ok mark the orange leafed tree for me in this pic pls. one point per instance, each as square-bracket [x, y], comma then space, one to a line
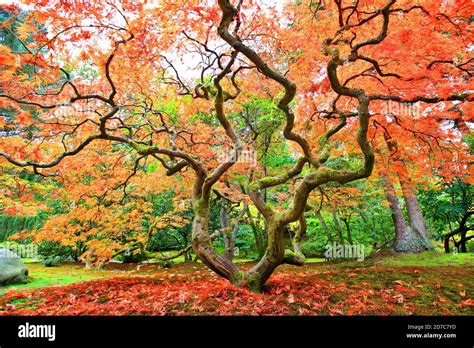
[100, 73]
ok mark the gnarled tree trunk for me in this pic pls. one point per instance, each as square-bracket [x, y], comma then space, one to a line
[318, 174]
[273, 257]
[299, 235]
[202, 244]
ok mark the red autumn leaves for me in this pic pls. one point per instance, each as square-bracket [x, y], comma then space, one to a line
[287, 293]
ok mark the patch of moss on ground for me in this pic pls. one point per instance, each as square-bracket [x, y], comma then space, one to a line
[428, 259]
[434, 290]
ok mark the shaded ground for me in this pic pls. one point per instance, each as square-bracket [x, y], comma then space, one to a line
[435, 284]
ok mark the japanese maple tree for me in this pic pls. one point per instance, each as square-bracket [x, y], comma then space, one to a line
[106, 73]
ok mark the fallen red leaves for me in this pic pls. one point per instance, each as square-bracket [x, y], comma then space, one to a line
[466, 303]
[180, 292]
[202, 294]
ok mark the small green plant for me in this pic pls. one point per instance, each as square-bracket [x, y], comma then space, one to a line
[52, 253]
[313, 249]
[51, 261]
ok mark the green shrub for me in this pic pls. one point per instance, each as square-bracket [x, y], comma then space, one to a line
[313, 249]
[131, 257]
[51, 261]
[52, 253]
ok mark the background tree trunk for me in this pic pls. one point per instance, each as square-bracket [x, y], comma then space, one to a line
[324, 225]
[462, 241]
[258, 233]
[415, 214]
[346, 222]
[233, 235]
[446, 245]
[417, 240]
[407, 240]
[338, 227]
[224, 217]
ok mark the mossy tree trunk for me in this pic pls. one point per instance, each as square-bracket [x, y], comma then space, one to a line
[202, 243]
[274, 254]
